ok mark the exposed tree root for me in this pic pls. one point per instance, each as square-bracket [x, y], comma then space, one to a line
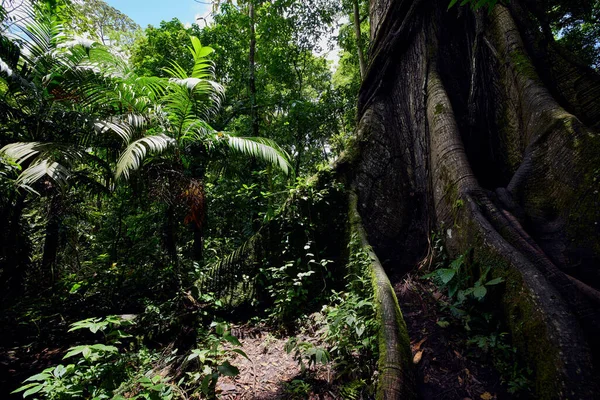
[396, 375]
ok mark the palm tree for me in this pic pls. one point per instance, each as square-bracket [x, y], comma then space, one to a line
[46, 125]
[70, 105]
[186, 142]
[67, 107]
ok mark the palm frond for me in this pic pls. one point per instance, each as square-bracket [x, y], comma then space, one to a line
[223, 276]
[21, 152]
[135, 153]
[51, 159]
[4, 68]
[261, 148]
[203, 67]
[189, 83]
[41, 34]
[123, 130]
[198, 130]
[44, 167]
[205, 94]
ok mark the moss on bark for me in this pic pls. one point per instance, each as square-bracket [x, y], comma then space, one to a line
[396, 375]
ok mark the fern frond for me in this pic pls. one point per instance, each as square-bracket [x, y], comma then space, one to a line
[220, 277]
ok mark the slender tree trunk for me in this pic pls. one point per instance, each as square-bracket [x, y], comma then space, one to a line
[470, 123]
[359, 44]
[170, 229]
[198, 242]
[51, 241]
[252, 70]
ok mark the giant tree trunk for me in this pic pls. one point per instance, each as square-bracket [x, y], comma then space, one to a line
[474, 123]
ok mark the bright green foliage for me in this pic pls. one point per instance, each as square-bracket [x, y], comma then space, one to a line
[295, 100]
[290, 278]
[466, 283]
[211, 361]
[161, 46]
[351, 325]
[100, 21]
[99, 370]
[307, 354]
[185, 101]
[106, 371]
[297, 389]
[457, 279]
[470, 301]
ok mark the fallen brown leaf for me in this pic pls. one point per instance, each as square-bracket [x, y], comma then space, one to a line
[418, 345]
[486, 396]
[417, 357]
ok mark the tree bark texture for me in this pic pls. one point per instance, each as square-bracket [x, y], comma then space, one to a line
[477, 124]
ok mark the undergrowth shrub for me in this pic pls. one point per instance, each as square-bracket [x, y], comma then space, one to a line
[471, 296]
[352, 328]
[122, 367]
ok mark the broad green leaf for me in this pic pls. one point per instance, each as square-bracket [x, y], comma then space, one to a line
[105, 348]
[25, 387]
[456, 264]
[494, 281]
[360, 330]
[33, 390]
[479, 292]
[84, 350]
[232, 339]
[220, 328]
[42, 376]
[226, 369]
[241, 352]
[446, 274]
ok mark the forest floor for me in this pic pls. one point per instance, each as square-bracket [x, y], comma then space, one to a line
[447, 366]
[271, 373]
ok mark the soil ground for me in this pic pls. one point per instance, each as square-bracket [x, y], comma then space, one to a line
[447, 366]
[270, 372]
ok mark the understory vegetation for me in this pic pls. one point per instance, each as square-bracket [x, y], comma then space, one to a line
[166, 190]
[470, 300]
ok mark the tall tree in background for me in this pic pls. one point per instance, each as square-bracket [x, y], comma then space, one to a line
[482, 125]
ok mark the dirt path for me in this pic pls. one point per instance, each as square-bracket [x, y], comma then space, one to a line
[271, 372]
